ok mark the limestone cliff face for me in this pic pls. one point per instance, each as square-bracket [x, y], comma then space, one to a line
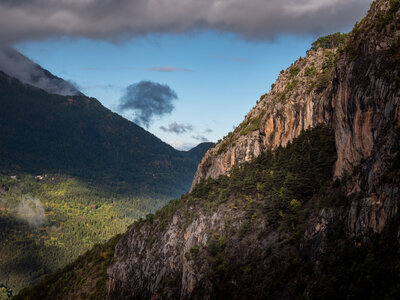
[366, 118]
[296, 102]
[358, 97]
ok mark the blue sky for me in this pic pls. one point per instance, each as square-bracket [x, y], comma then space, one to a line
[219, 77]
[223, 53]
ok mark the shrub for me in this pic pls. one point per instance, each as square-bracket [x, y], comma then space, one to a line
[294, 70]
[310, 71]
[330, 41]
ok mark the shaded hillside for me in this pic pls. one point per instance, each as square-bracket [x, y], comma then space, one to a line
[46, 133]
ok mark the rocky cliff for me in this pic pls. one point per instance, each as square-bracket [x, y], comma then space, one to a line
[349, 83]
[296, 102]
[353, 89]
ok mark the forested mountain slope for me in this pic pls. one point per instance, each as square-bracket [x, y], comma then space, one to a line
[47, 133]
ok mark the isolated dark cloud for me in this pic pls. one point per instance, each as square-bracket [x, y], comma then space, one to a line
[200, 138]
[17, 65]
[168, 69]
[208, 130]
[99, 19]
[177, 128]
[147, 100]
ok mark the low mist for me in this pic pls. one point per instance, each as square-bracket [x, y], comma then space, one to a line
[31, 210]
[17, 65]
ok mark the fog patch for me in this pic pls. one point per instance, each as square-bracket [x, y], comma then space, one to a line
[16, 65]
[31, 211]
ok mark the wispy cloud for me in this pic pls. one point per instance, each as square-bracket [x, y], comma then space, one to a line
[167, 69]
[99, 86]
[200, 138]
[17, 65]
[208, 130]
[177, 128]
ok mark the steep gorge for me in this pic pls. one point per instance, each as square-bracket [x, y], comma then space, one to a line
[301, 200]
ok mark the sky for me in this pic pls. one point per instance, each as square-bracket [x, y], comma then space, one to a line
[187, 71]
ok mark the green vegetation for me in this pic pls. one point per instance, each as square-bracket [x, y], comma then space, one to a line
[227, 141]
[291, 85]
[85, 278]
[322, 80]
[329, 60]
[49, 222]
[310, 71]
[5, 293]
[330, 41]
[252, 124]
[294, 70]
[276, 178]
[385, 19]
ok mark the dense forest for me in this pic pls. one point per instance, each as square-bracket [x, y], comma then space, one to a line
[48, 220]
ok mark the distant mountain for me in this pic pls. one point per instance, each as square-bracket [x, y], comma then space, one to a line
[75, 135]
[198, 151]
[19, 66]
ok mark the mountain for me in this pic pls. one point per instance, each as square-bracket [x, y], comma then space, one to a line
[299, 202]
[198, 151]
[72, 173]
[75, 135]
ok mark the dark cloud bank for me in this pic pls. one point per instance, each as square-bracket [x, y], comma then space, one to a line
[99, 19]
[147, 100]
